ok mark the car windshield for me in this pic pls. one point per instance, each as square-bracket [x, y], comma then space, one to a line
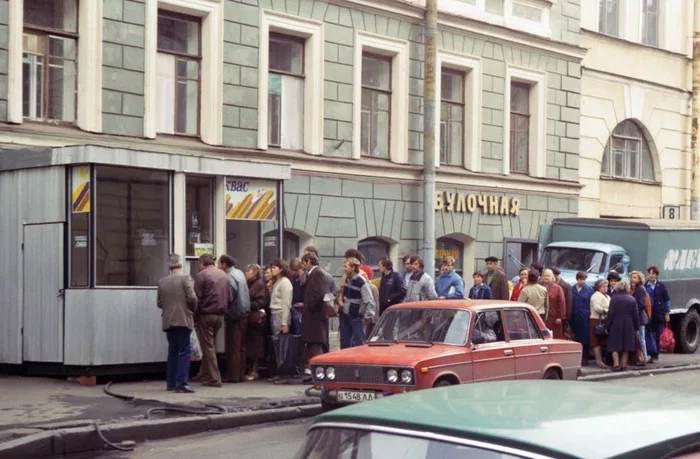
[337, 443]
[447, 326]
[574, 259]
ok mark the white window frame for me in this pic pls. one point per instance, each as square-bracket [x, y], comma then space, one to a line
[211, 67]
[312, 32]
[89, 106]
[471, 67]
[538, 120]
[478, 12]
[398, 51]
[660, 25]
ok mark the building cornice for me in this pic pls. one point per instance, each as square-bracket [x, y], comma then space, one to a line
[625, 79]
[640, 46]
[34, 134]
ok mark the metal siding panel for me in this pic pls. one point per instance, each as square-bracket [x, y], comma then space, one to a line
[10, 282]
[43, 306]
[112, 327]
[43, 194]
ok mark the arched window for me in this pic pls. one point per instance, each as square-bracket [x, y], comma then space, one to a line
[447, 247]
[373, 249]
[627, 154]
[290, 246]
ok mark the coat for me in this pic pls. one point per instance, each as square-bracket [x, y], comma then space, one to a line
[420, 288]
[640, 295]
[481, 292]
[622, 323]
[536, 296]
[391, 290]
[213, 291]
[581, 313]
[568, 294]
[499, 285]
[314, 322]
[517, 288]
[450, 286]
[660, 301]
[557, 310]
[281, 299]
[258, 297]
[177, 300]
[600, 305]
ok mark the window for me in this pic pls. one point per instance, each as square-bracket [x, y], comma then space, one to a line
[627, 154]
[373, 250]
[178, 74]
[199, 218]
[290, 246]
[608, 17]
[376, 105]
[451, 117]
[446, 247]
[380, 98]
[519, 128]
[616, 263]
[285, 109]
[520, 325]
[650, 22]
[49, 60]
[437, 325]
[80, 226]
[494, 7]
[132, 226]
[488, 328]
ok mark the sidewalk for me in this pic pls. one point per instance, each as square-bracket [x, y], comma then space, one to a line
[666, 362]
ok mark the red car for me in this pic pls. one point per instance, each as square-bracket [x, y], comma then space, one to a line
[438, 343]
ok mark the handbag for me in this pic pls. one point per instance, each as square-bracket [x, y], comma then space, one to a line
[256, 318]
[600, 331]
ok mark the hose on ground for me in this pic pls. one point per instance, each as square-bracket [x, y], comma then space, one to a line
[114, 394]
[129, 445]
[219, 410]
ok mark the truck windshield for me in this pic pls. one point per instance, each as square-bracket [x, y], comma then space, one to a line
[575, 259]
[447, 326]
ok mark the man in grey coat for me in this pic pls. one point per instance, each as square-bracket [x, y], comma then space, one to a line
[421, 286]
[177, 300]
[236, 320]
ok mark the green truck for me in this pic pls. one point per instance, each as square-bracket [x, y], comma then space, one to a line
[598, 245]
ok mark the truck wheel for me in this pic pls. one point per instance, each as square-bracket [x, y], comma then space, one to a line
[688, 335]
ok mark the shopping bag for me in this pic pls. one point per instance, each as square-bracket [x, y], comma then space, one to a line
[667, 342]
[195, 349]
[288, 354]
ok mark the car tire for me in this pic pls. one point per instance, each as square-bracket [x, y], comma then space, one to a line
[552, 374]
[326, 407]
[442, 383]
[688, 336]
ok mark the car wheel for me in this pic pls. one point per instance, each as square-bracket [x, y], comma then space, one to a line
[689, 332]
[442, 383]
[551, 374]
[326, 407]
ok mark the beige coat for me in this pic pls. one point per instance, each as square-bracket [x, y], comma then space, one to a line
[600, 304]
[177, 300]
[536, 296]
[281, 299]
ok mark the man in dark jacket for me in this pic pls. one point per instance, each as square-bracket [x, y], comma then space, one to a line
[568, 294]
[314, 321]
[214, 295]
[391, 289]
[660, 310]
[496, 279]
[236, 320]
[177, 300]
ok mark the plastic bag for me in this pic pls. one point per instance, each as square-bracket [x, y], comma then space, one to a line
[288, 354]
[195, 349]
[667, 342]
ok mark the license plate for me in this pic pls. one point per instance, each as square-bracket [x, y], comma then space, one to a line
[354, 397]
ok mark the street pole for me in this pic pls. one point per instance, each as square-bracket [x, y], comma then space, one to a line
[429, 108]
[695, 158]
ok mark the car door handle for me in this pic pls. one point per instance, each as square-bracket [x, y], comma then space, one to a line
[508, 352]
[544, 349]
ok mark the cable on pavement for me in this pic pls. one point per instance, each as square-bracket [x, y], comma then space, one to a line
[114, 394]
[128, 444]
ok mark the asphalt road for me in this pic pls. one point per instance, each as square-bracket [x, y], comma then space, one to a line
[283, 440]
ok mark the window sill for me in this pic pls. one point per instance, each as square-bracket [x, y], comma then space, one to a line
[49, 122]
[608, 178]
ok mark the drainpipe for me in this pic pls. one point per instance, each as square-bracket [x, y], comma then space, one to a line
[429, 137]
[695, 161]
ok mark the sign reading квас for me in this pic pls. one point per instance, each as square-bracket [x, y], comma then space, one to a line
[489, 204]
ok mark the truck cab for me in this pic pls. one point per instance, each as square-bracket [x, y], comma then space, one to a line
[596, 259]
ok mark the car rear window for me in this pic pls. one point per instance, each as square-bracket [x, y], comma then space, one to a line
[345, 443]
[447, 326]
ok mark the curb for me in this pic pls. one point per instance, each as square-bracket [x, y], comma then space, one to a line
[639, 373]
[83, 439]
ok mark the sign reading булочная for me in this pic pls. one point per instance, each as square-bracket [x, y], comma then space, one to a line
[467, 202]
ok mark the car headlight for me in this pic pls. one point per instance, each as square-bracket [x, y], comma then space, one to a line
[330, 373]
[319, 373]
[406, 377]
[392, 376]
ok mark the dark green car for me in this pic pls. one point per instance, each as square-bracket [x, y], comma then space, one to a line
[512, 420]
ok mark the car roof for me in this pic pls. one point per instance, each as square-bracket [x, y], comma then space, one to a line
[461, 304]
[558, 418]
